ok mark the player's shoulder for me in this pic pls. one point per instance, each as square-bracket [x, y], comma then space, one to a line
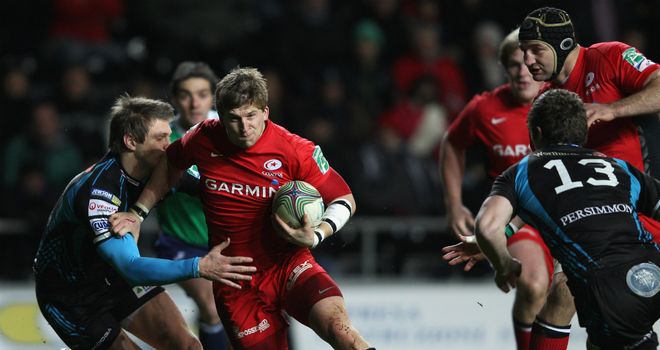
[284, 137]
[607, 48]
[208, 124]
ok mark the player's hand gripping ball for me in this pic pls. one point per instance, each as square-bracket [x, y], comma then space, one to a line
[295, 199]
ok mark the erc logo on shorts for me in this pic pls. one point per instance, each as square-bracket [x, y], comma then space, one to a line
[261, 327]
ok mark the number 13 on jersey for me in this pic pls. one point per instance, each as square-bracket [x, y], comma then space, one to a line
[568, 184]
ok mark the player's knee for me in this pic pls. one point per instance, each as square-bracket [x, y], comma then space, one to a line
[560, 296]
[533, 288]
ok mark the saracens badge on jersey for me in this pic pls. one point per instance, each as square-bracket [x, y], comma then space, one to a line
[272, 164]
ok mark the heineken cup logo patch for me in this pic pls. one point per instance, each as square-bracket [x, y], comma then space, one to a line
[320, 160]
[636, 59]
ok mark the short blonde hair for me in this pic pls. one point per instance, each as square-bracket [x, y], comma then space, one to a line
[508, 46]
[241, 86]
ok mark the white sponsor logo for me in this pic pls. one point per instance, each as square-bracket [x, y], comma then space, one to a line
[261, 327]
[590, 211]
[101, 193]
[100, 225]
[272, 164]
[270, 174]
[511, 150]
[297, 271]
[496, 121]
[589, 79]
[107, 195]
[100, 207]
[214, 155]
[240, 189]
[103, 338]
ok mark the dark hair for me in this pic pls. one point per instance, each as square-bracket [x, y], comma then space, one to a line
[241, 86]
[188, 69]
[507, 47]
[561, 116]
[133, 116]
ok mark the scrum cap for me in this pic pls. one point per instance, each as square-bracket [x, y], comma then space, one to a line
[553, 27]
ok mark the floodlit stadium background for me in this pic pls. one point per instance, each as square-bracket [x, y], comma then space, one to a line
[341, 73]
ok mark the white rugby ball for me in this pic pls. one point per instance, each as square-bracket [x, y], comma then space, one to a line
[296, 198]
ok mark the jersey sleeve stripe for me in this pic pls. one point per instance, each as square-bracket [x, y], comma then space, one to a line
[102, 237]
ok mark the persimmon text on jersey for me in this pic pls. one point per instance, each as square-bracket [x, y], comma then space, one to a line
[240, 189]
[589, 211]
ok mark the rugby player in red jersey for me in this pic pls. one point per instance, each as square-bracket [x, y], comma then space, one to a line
[243, 159]
[497, 120]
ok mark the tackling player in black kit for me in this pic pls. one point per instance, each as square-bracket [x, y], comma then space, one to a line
[585, 205]
[88, 282]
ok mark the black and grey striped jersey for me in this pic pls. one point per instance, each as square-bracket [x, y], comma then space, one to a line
[585, 205]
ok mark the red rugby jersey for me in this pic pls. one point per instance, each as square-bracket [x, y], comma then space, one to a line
[605, 73]
[497, 121]
[238, 184]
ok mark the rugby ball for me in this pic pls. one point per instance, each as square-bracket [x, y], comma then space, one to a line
[295, 199]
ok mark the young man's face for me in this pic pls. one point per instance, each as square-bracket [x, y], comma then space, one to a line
[153, 148]
[245, 124]
[524, 88]
[539, 59]
[193, 100]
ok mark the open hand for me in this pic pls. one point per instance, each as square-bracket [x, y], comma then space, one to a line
[225, 269]
[467, 251]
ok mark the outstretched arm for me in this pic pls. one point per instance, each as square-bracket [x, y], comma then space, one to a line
[452, 167]
[491, 220]
[123, 254]
[646, 100]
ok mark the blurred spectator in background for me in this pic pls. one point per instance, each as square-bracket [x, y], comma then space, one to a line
[370, 85]
[389, 17]
[82, 111]
[45, 145]
[398, 173]
[81, 33]
[30, 204]
[426, 58]
[14, 102]
[328, 117]
[314, 37]
[481, 65]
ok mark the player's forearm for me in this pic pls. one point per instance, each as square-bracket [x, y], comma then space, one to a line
[492, 243]
[336, 215]
[122, 253]
[452, 165]
[489, 230]
[644, 101]
[163, 178]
